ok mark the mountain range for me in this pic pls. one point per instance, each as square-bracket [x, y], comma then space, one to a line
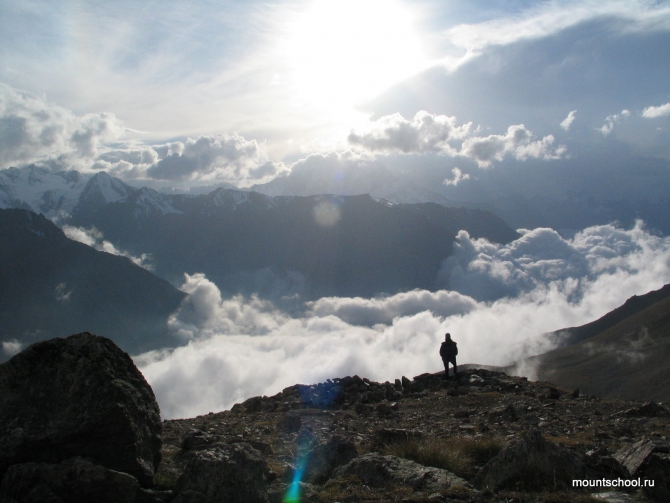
[57, 194]
[248, 242]
[315, 246]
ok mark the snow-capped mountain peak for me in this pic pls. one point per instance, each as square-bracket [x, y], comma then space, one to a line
[40, 190]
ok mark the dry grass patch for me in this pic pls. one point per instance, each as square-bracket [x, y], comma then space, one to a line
[350, 488]
[459, 455]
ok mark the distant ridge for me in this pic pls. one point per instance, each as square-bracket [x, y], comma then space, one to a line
[629, 359]
[633, 305]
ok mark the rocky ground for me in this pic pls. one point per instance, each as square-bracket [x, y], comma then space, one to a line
[479, 436]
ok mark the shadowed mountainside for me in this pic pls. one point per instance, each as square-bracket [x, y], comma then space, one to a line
[316, 246]
[53, 286]
[633, 305]
[629, 360]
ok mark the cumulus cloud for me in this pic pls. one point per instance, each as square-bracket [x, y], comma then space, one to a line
[369, 312]
[440, 134]
[222, 158]
[653, 112]
[518, 142]
[424, 133]
[33, 130]
[94, 238]
[567, 122]
[229, 158]
[245, 346]
[489, 271]
[611, 120]
[458, 177]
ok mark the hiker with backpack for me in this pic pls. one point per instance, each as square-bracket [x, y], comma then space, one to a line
[448, 352]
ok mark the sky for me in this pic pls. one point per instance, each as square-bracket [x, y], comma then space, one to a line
[198, 93]
[469, 101]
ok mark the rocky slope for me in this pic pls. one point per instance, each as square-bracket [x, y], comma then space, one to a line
[631, 307]
[628, 360]
[427, 439]
[79, 423]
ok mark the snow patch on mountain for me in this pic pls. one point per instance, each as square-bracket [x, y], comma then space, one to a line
[150, 202]
[233, 199]
[40, 190]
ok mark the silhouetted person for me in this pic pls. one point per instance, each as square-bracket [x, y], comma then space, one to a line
[448, 352]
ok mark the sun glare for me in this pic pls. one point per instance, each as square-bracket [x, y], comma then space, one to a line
[341, 53]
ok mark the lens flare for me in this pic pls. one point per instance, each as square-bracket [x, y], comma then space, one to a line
[327, 213]
[305, 443]
[293, 493]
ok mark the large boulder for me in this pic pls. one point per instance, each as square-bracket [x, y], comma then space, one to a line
[532, 463]
[80, 396]
[73, 480]
[233, 473]
[376, 470]
[649, 459]
[324, 458]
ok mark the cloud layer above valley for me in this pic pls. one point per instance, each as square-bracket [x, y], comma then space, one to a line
[501, 298]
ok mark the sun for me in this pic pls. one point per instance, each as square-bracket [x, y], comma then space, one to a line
[341, 53]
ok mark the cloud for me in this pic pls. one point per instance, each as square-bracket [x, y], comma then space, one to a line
[11, 348]
[518, 142]
[229, 158]
[424, 133]
[653, 112]
[540, 258]
[33, 130]
[245, 346]
[458, 177]
[61, 296]
[547, 19]
[567, 122]
[222, 158]
[440, 134]
[611, 120]
[369, 312]
[94, 238]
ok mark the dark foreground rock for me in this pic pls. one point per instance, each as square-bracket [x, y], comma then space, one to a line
[324, 458]
[72, 480]
[650, 460]
[532, 463]
[78, 397]
[232, 473]
[376, 470]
